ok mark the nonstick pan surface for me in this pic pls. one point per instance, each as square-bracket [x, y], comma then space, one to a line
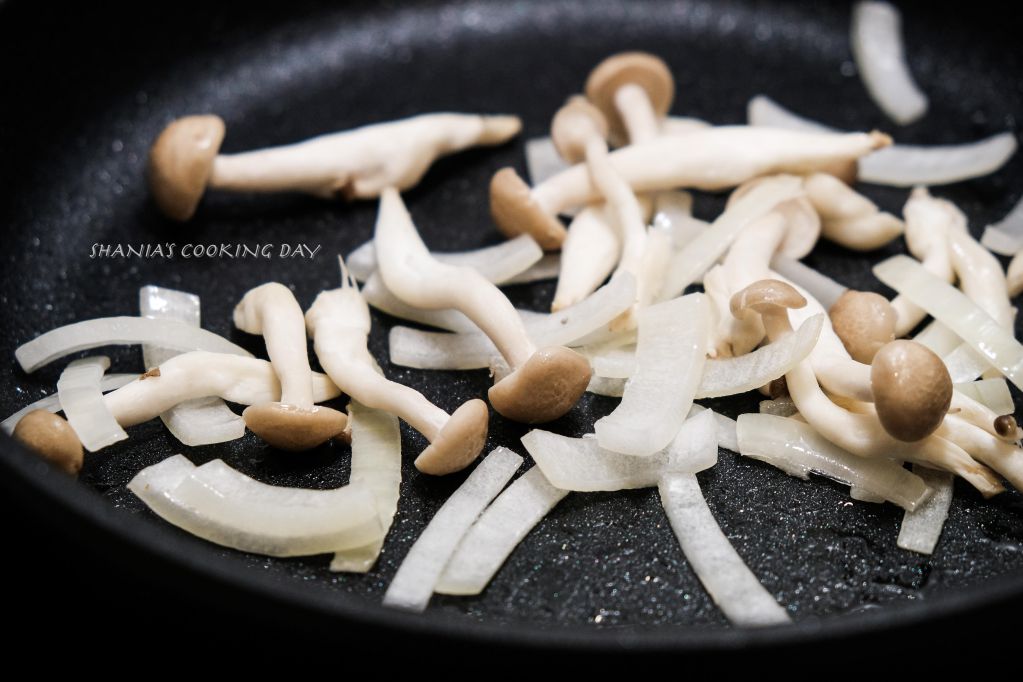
[86, 95]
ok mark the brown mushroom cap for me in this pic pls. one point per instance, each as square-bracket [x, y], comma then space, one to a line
[289, 427]
[180, 163]
[545, 388]
[459, 442]
[52, 438]
[864, 321]
[639, 68]
[763, 296]
[515, 212]
[912, 389]
[574, 126]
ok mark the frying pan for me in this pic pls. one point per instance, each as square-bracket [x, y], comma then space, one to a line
[85, 95]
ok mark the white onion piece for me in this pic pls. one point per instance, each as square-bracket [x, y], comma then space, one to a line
[614, 363]
[727, 579]
[542, 160]
[547, 267]
[51, 403]
[376, 465]
[725, 427]
[203, 421]
[671, 347]
[782, 407]
[816, 283]
[81, 399]
[993, 393]
[957, 312]
[673, 212]
[1006, 236]
[921, 527]
[881, 59]
[223, 506]
[433, 350]
[902, 165]
[608, 387]
[497, 532]
[115, 331]
[795, 448]
[581, 465]
[938, 338]
[423, 565]
[965, 364]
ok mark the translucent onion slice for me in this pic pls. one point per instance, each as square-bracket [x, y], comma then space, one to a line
[938, 338]
[993, 393]
[376, 465]
[223, 506]
[497, 532]
[81, 399]
[965, 364]
[902, 165]
[580, 464]
[119, 331]
[795, 448]
[1006, 237]
[433, 350]
[782, 407]
[671, 348]
[418, 574]
[957, 312]
[610, 388]
[816, 283]
[542, 159]
[726, 430]
[876, 38]
[498, 263]
[203, 421]
[728, 580]
[109, 382]
[921, 528]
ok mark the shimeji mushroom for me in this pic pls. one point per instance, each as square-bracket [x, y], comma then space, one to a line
[543, 384]
[357, 163]
[849, 218]
[860, 434]
[52, 438]
[294, 422]
[865, 322]
[339, 323]
[634, 91]
[712, 159]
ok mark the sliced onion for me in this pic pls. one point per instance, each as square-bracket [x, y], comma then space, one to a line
[1006, 236]
[223, 506]
[938, 338]
[782, 407]
[547, 267]
[497, 532]
[726, 429]
[418, 574]
[670, 351]
[433, 350]
[613, 363]
[950, 306]
[965, 364]
[921, 527]
[376, 465]
[728, 580]
[816, 283]
[119, 331]
[203, 421]
[764, 112]
[580, 464]
[795, 448]
[673, 212]
[993, 393]
[611, 388]
[51, 403]
[542, 159]
[81, 399]
[881, 59]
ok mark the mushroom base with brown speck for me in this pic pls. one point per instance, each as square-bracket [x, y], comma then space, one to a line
[547, 386]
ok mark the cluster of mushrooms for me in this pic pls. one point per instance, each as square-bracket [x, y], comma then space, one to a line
[862, 387]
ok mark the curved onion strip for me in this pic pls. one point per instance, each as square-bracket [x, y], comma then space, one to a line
[547, 267]
[951, 306]
[413, 584]
[81, 399]
[203, 421]
[938, 338]
[433, 350]
[671, 348]
[225, 507]
[902, 165]
[816, 283]
[109, 382]
[497, 532]
[1006, 236]
[876, 38]
[993, 393]
[613, 363]
[782, 407]
[730, 583]
[611, 388]
[795, 448]
[921, 527]
[119, 331]
[965, 364]
[542, 159]
[726, 430]
[376, 464]
[581, 465]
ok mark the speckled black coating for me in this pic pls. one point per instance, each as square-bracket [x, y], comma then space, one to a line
[75, 133]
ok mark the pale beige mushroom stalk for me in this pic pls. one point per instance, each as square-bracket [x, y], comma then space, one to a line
[589, 254]
[357, 163]
[339, 323]
[849, 218]
[544, 384]
[1014, 276]
[294, 422]
[860, 434]
[634, 91]
[712, 159]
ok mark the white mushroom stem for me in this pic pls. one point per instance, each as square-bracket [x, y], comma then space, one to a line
[589, 254]
[271, 310]
[1014, 276]
[199, 374]
[360, 163]
[1005, 458]
[849, 218]
[641, 121]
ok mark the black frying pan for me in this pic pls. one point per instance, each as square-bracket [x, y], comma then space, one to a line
[86, 95]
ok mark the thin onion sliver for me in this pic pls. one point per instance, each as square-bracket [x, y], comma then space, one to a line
[921, 527]
[993, 393]
[819, 285]
[81, 399]
[1006, 236]
[51, 403]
